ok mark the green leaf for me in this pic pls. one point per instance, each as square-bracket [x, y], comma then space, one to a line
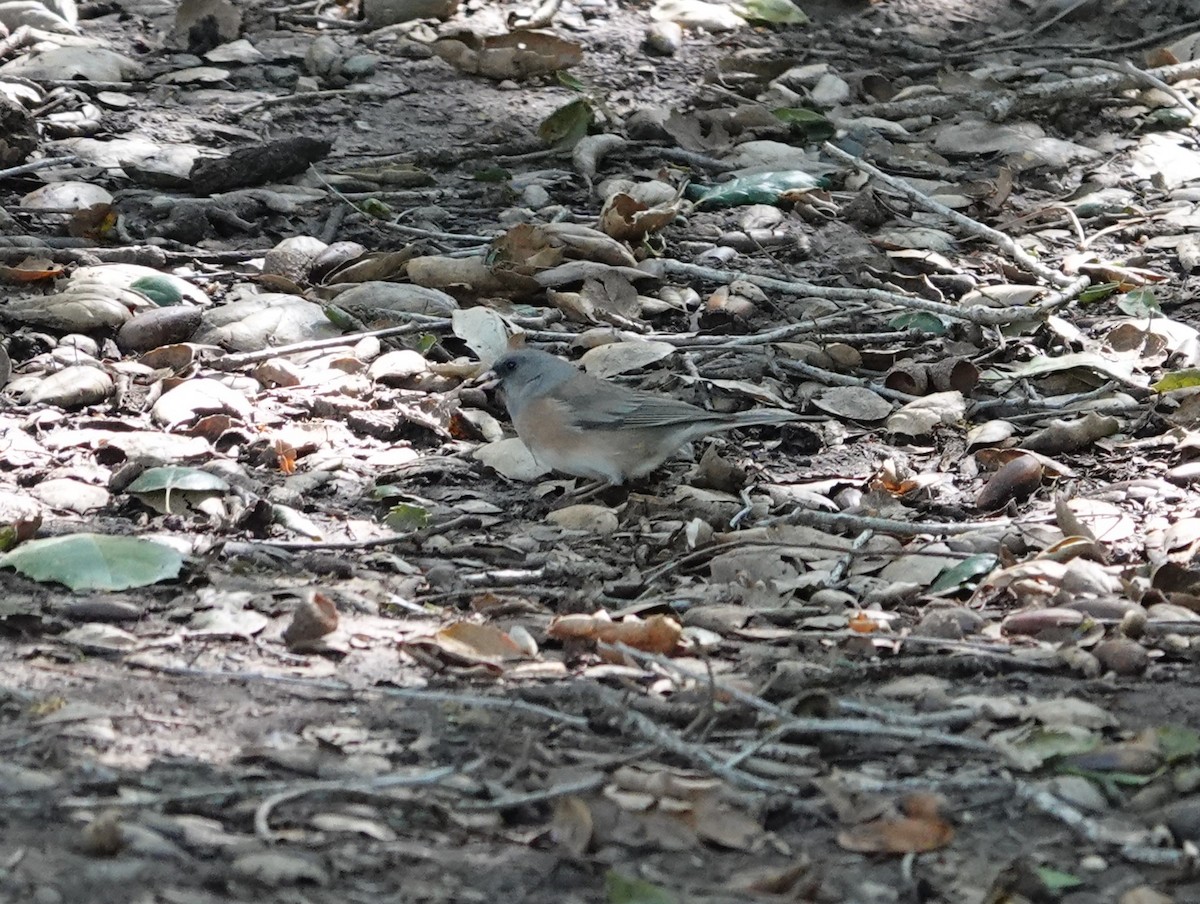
[960, 576]
[426, 341]
[1056, 879]
[175, 477]
[798, 116]
[1112, 779]
[919, 320]
[569, 81]
[159, 289]
[1170, 117]
[373, 207]
[759, 188]
[779, 12]
[809, 123]
[382, 491]
[627, 890]
[565, 126]
[1098, 291]
[1046, 744]
[492, 174]
[1178, 379]
[340, 317]
[174, 489]
[1178, 743]
[1139, 303]
[405, 516]
[95, 561]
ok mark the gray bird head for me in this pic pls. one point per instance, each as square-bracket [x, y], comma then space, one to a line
[528, 374]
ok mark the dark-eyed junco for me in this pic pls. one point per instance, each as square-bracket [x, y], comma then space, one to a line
[588, 427]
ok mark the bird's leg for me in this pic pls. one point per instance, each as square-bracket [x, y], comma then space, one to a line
[589, 490]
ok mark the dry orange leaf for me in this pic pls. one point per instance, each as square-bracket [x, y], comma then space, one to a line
[921, 829]
[863, 623]
[285, 457]
[901, 835]
[32, 269]
[473, 641]
[657, 634]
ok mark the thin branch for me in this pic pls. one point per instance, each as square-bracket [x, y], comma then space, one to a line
[974, 227]
[262, 815]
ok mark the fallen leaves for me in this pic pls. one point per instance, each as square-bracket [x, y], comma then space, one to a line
[656, 634]
[917, 827]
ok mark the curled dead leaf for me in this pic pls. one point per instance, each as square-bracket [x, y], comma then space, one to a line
[572, 825]
[629, 220]
[472, 644]
[312, 619]
[519, 54]
[656, 634]
[1016, 479]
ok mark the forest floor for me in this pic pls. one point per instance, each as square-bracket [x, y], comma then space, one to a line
[933, 642]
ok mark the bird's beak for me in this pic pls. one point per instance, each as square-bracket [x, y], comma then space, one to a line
[485, 380]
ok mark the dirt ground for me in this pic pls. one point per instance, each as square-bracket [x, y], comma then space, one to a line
[817, 735]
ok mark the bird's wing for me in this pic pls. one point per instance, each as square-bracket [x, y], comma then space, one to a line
[599, 405]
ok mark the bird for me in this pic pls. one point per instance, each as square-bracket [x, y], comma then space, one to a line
[593, 428]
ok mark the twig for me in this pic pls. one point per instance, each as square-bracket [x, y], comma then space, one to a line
[629, 720]
[815, 726]
[307, 97]
[862, 728]
[36, 165]
[262, 815]
[974, 227]
[980, 314]
[419, 323]
[419, 695]
[1081, 239]
[999, 106]
[583, 786]
[981, 44]
[1155, 82]
[465, 521]
[1082, 824]
[418, 231]
[845, 521]
[829, 378]
[1125, 66]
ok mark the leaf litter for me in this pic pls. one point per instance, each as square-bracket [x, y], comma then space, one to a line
[950, 609]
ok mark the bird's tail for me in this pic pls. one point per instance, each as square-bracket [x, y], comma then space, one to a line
[760, 416]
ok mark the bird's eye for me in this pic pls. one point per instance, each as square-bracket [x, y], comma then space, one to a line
[508, 366]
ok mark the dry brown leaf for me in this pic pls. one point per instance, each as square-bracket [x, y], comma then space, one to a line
[520, 54]
[313, 619]
[716, 821]
[629, 220]
[1016, 479]
[472, 643]
[572, 825]
[95, 222]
